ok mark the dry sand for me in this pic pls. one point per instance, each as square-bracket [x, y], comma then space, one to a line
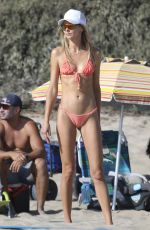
[137, 131]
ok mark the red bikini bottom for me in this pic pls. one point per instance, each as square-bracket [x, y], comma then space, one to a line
[78, 120]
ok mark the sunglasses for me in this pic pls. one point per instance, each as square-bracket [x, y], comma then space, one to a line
[69, 26]
[4, 107]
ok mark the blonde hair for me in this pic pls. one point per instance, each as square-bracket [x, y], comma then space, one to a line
[85, 44]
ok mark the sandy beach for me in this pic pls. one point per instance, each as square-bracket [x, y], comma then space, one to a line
[137, 130]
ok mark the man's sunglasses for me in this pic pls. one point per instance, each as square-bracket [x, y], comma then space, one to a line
[69, 26]
[4, 107]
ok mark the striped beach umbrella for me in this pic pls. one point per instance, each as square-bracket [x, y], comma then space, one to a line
[126, 83]
[39, 94]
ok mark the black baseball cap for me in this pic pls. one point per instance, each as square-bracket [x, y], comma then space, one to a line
[12, 100]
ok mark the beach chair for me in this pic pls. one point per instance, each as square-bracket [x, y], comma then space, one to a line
[109, 140]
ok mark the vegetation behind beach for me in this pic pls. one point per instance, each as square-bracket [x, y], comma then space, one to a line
[28, 32]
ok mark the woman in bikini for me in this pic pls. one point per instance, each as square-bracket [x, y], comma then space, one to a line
[77, 64]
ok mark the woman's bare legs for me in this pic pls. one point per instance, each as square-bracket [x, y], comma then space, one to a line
[67, 137]
[91, 134]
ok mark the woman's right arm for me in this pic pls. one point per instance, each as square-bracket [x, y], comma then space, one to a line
[52, 93]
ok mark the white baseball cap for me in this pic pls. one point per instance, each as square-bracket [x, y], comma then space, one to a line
[73, 16]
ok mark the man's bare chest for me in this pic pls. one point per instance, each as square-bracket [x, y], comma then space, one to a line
[15, 139]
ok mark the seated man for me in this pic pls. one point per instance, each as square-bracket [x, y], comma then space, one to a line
[20, 142]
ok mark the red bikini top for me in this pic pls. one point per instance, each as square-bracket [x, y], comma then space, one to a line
[67, 69]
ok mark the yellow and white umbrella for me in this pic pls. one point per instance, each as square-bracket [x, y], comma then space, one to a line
[127, 83]
[39, 94]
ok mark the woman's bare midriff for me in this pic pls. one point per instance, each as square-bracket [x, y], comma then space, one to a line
[78, 101]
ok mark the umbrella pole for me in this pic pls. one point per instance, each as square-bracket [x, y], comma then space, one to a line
[118, 158]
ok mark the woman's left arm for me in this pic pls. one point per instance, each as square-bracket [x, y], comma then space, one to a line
[96, 81]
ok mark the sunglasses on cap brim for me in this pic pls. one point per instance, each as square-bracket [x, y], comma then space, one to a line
[69, 26]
